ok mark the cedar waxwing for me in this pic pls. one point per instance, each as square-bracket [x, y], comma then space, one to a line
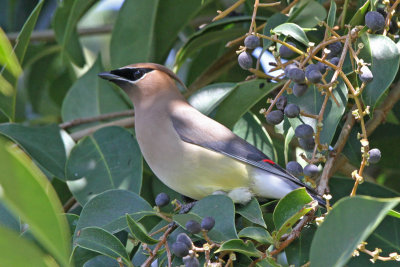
[191, 153]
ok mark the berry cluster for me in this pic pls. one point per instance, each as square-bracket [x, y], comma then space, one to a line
[244, 59]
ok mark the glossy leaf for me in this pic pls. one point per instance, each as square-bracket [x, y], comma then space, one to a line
[384, 56]
[252, 212]
[310, 14]
[334, 242]
[101, 241]
[292, 30]
[331, 16]
[209, 97]
[358, 17]
[17, 251]
[291, 208]
[219, 207]
[24, 35]
[311, 102]
[29, 194]
[238, 245]
[138, 232]
[8, 59]
[43, 144]
[240, 100]
[101, 162]
[274, 21]
[108, 210]
[250, 128]
[90, 96]
[258, 234]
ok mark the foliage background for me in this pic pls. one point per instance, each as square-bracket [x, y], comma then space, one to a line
[96, 171]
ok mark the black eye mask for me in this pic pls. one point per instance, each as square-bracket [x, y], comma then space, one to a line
[131, 74]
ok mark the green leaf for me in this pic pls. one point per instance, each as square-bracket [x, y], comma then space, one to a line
[292, 30]
[310, 15]
[90, 96]
[29, 194]
[274, 21]
[258, 234]
[240, 100]
[331, 16]
[8, 219]
[208, 98]
[138, 232]
[8, 59]
[43, 144]
[311, 102]
[72, 46]
[252, 212]
[101, 241]
[18, 251]
[108, 210]
[24, 35]
[298, 251]
[250, 128]
[5, 87]
[134, 41]
[358, 17]
[291, 208]
[219, 207]
[384, 56]
[238, 245]
[394, 214]
[101, 162]
[72, 221]
[335, 241]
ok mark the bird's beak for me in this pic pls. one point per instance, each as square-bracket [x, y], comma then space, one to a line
[108, 76]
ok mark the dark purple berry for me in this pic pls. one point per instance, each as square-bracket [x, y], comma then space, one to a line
[281, 102]
[245, 60]
[296, 75]
[374, 155]
[307, 143]
[304, 131]
[314, 76]
[184, 238]
[299, 89]
[310, 68]
[162, 200]
[311, 170]
[366, 74]
[292, 111]
[289, 67]
[335, 49]
[180, 249]
[274, 117]
[374, 20]
[322, 67]
[207, 223]
[193, 227]
[191, 261]
[251, 42]
[294, 168]
[285, 52]
[334, 61]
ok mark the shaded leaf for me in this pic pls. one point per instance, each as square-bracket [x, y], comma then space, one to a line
[17, 251]
[29, 194]
[43, 144]
[331, 16]
[8, 219]
[334, 242]
[101, 162]
[310, 14]
[101, 241]
[257, 233]
[108, 210]
[252, 212]
[238, 245]
[274, 21]
[139, 233]
[8, 59]
[298, 252]
[240, 100]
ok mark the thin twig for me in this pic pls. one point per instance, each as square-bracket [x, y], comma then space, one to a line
[163, 239]
[101, 117]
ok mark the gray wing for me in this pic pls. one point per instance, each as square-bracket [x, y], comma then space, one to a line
[196, 128]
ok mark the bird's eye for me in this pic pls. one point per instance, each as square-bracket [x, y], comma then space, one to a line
[137, 74]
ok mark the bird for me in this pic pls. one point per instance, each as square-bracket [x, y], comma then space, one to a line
[191, 153]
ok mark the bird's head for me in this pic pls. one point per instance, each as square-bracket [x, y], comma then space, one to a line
[143, 80]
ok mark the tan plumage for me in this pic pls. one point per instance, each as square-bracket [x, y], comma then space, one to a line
[189, 152]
